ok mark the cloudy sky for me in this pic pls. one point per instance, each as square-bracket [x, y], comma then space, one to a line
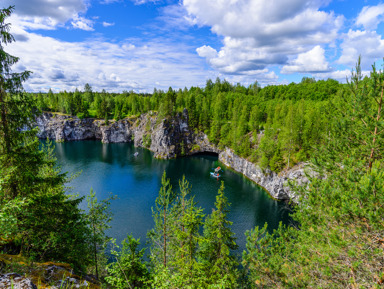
[142, 44]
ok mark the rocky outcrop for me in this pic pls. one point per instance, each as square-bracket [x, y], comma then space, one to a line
[201, 144]
[119, 131]
[16, 281]
[36, 275]
[54, 277]
[67, 128]
[275, 184]
[166, 138]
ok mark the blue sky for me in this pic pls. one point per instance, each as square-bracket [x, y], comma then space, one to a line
[140, 45]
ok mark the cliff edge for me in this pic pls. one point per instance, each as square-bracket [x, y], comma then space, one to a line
[167, 138]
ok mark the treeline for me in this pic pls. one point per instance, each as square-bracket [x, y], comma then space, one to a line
[276, 126]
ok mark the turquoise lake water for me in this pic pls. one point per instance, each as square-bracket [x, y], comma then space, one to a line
[137, 180]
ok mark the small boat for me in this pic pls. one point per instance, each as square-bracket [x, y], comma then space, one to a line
[217, 170]
[136, 154]
[215, 175]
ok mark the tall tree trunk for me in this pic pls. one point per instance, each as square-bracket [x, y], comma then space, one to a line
[6, 135]
[165, 237]
[95, 251]
[182, 227]
[4, 122]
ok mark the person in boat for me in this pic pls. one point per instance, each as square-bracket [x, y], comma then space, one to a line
[217, 170]
[215, 175]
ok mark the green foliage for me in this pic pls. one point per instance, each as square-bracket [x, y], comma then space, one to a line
[18, 148]
[180, 256]
[99, 216]
[218, 264]
[338, 242]
[187, 236]
[35, 211]
[52, 227]
[147, 140]
[164, 216]
[129, 269]
[276, 163]
[47, 223]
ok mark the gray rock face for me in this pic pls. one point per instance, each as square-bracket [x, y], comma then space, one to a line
[167, 138]
[172, 137]
[201, 144]
[276, 185]
[16, 281]
[120, 131]
[66, 128]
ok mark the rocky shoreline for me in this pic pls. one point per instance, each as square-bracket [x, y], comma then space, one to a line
[167, 138]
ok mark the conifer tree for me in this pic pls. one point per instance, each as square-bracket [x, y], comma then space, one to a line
[339, 213]
[33, 204]
[21, 161]
[218, 263]
[164, 216]
[129, 269]
[99, 217]
[187, 236]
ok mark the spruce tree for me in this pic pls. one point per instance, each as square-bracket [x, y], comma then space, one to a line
[164, 216]
[18, 153]
[34, 209]
[99, 217]
[219, 265]
[187, 236]
[129, 269]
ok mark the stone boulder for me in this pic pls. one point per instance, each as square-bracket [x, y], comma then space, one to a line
[16, 281]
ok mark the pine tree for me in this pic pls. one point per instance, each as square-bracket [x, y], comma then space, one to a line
[164, 216]
[129, 269]
[187, 236]
[339, 213]
[19, 154]
[34, 207]
[99, 217]
[218, 263]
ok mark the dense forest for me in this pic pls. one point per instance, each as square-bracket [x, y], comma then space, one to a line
[336, 239]
[275, 126]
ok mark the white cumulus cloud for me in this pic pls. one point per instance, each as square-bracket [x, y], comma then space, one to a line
[57, 10]
[312, 61]
[262, 33]
[49, 14]
[114, 66]
[368, 44]
[207, 52]
[371, 16]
